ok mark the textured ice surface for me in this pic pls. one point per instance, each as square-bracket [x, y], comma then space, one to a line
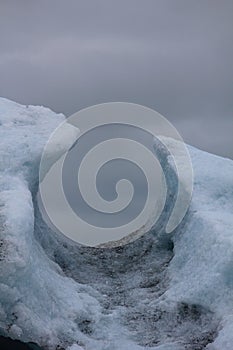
[162, 292]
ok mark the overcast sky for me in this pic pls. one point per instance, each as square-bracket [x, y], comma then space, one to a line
[175, 56]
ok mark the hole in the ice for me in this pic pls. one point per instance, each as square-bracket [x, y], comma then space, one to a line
[189, 311]
[59, 347]
[85, 327]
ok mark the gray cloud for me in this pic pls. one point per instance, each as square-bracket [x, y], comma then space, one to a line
[172, 55]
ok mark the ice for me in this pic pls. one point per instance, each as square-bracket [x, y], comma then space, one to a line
[74, 347]
[36, 297]
[161, 292]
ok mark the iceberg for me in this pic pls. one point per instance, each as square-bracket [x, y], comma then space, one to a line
[161, 292]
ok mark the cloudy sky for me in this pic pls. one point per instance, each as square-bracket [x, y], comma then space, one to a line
[172, 55]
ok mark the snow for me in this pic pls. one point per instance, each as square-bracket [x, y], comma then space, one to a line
[161, 292]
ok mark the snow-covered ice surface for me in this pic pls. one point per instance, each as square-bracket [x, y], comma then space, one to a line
[162, 292]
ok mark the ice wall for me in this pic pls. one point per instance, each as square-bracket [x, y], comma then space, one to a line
[160, 292]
